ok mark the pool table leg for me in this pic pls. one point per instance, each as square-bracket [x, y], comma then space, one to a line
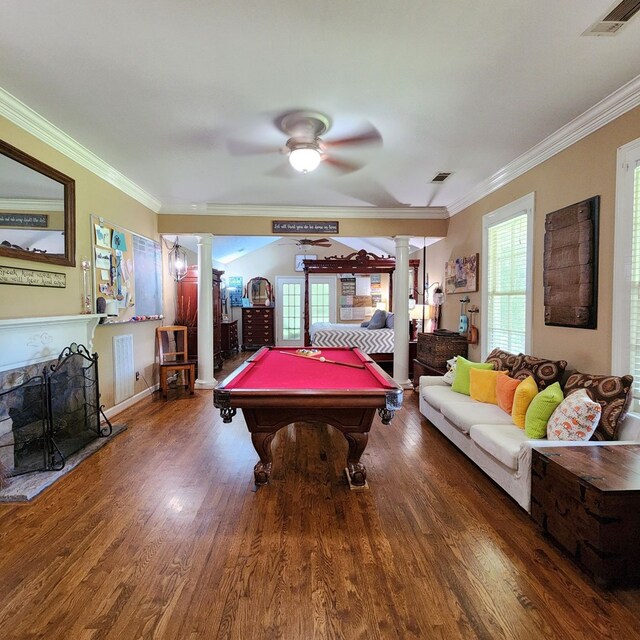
[357, 471]
[262, 445]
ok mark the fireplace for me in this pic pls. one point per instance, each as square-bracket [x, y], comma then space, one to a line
[51, 416]
[49, 403]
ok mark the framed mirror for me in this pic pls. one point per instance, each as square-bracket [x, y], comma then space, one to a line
[37, 210]
[259, 292]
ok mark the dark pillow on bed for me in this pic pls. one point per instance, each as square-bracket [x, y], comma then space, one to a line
[378, 320]
[364, 324]
[389, 322]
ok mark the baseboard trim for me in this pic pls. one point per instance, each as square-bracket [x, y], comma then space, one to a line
[119, 408]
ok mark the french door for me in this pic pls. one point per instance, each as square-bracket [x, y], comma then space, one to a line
[290, 306]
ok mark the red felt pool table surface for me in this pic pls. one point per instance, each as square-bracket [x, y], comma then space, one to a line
[277, 368]
[278, 386]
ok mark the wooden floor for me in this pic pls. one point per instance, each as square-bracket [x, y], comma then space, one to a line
[161, 534]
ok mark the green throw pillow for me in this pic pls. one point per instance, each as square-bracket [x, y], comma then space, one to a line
[540, 410]
[461, 381]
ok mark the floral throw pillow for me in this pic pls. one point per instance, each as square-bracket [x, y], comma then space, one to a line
[575, 418]
[613, 393]
[451, 370]
[544, 372]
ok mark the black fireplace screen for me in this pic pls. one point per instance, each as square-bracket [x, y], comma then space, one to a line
[49, 417]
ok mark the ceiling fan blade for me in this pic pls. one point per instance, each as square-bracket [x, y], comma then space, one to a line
[243, 148]
[320, 242]
[368, 136]
[342, 165]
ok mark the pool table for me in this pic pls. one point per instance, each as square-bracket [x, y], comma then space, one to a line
[277, 386]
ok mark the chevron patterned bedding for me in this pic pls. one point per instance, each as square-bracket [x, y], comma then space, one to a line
[326, 334]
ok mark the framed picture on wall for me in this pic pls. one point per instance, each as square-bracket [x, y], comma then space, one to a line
[301, 258]
[461, 274]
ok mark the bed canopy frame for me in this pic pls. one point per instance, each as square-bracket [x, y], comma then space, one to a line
[357, 262]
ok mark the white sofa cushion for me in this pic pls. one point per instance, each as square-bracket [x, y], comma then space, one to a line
[503, 442]
[465, 414]
[437, 395]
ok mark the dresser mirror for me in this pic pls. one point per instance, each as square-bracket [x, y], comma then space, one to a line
[37, 210]
[259, 292]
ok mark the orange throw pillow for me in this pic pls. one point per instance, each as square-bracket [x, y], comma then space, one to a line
[505, 390]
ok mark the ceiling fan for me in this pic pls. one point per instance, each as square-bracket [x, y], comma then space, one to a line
[304, 147]
[307, 242]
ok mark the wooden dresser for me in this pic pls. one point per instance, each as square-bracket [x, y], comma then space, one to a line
[188, 308]
[258, 327]
[229, 337]
[588, 500]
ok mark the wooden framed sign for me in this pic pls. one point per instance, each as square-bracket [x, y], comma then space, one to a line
[304, 226]
[571, 265]
[32, 277]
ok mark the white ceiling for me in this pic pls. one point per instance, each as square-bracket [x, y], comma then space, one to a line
[160, 89]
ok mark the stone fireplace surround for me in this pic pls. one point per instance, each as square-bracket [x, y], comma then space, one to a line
[28, 344]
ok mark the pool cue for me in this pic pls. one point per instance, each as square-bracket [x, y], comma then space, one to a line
[323, 359]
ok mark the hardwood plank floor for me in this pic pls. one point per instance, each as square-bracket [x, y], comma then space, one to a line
[161, 534]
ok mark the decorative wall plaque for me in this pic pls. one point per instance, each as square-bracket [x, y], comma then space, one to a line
[32, 277]
[304, 226]
[24, 220]
[571, 265]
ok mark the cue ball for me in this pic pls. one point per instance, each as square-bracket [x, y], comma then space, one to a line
[322, 358]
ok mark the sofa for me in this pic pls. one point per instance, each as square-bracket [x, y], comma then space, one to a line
[487, 436]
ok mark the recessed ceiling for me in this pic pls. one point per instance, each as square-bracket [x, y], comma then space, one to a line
[159, 89]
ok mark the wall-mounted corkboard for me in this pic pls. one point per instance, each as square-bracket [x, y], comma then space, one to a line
[571, 265]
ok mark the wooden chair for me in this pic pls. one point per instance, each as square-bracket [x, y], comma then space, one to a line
[173, 355]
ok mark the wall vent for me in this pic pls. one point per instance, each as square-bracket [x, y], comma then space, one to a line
[615, 19]
[123, 374]
[443, 175]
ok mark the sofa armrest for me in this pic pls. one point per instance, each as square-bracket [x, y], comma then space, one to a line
[432, 381]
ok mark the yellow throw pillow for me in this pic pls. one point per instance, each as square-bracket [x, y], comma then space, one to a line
[461, 380]
[482, 384]
[527, 390]
[540, 410]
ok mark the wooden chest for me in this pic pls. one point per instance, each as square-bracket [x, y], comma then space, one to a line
[258, 327]
[588, 500]
[434, 349]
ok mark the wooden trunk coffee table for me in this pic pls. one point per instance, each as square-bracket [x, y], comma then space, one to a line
[588, 499]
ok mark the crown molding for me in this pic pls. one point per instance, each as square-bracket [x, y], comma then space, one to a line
[14, 204]
[26, 118]
[312, 212]
[613, 106]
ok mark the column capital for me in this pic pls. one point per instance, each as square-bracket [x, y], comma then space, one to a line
[205, 239]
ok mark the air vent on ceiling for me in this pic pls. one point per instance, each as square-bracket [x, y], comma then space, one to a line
[442, 176]
[615, 19]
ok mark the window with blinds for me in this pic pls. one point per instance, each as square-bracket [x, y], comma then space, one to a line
[506, 274]
[634, 315]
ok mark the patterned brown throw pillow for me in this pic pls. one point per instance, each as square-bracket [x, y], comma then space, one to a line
[612, 392]
[502, 360]
[544, 372]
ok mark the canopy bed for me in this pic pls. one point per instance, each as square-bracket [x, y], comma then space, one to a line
[362, 262]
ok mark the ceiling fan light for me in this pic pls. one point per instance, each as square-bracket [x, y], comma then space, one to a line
[305, 158]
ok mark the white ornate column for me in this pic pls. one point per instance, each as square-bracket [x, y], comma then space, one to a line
[401, 313]
[205, 378]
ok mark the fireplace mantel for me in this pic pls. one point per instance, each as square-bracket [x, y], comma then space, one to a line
[27, 341]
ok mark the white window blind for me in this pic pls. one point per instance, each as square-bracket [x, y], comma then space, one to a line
[634, 317]
[506, 276]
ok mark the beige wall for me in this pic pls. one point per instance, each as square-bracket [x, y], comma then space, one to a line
[587, 168]
[93, 196]
[261, 226]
